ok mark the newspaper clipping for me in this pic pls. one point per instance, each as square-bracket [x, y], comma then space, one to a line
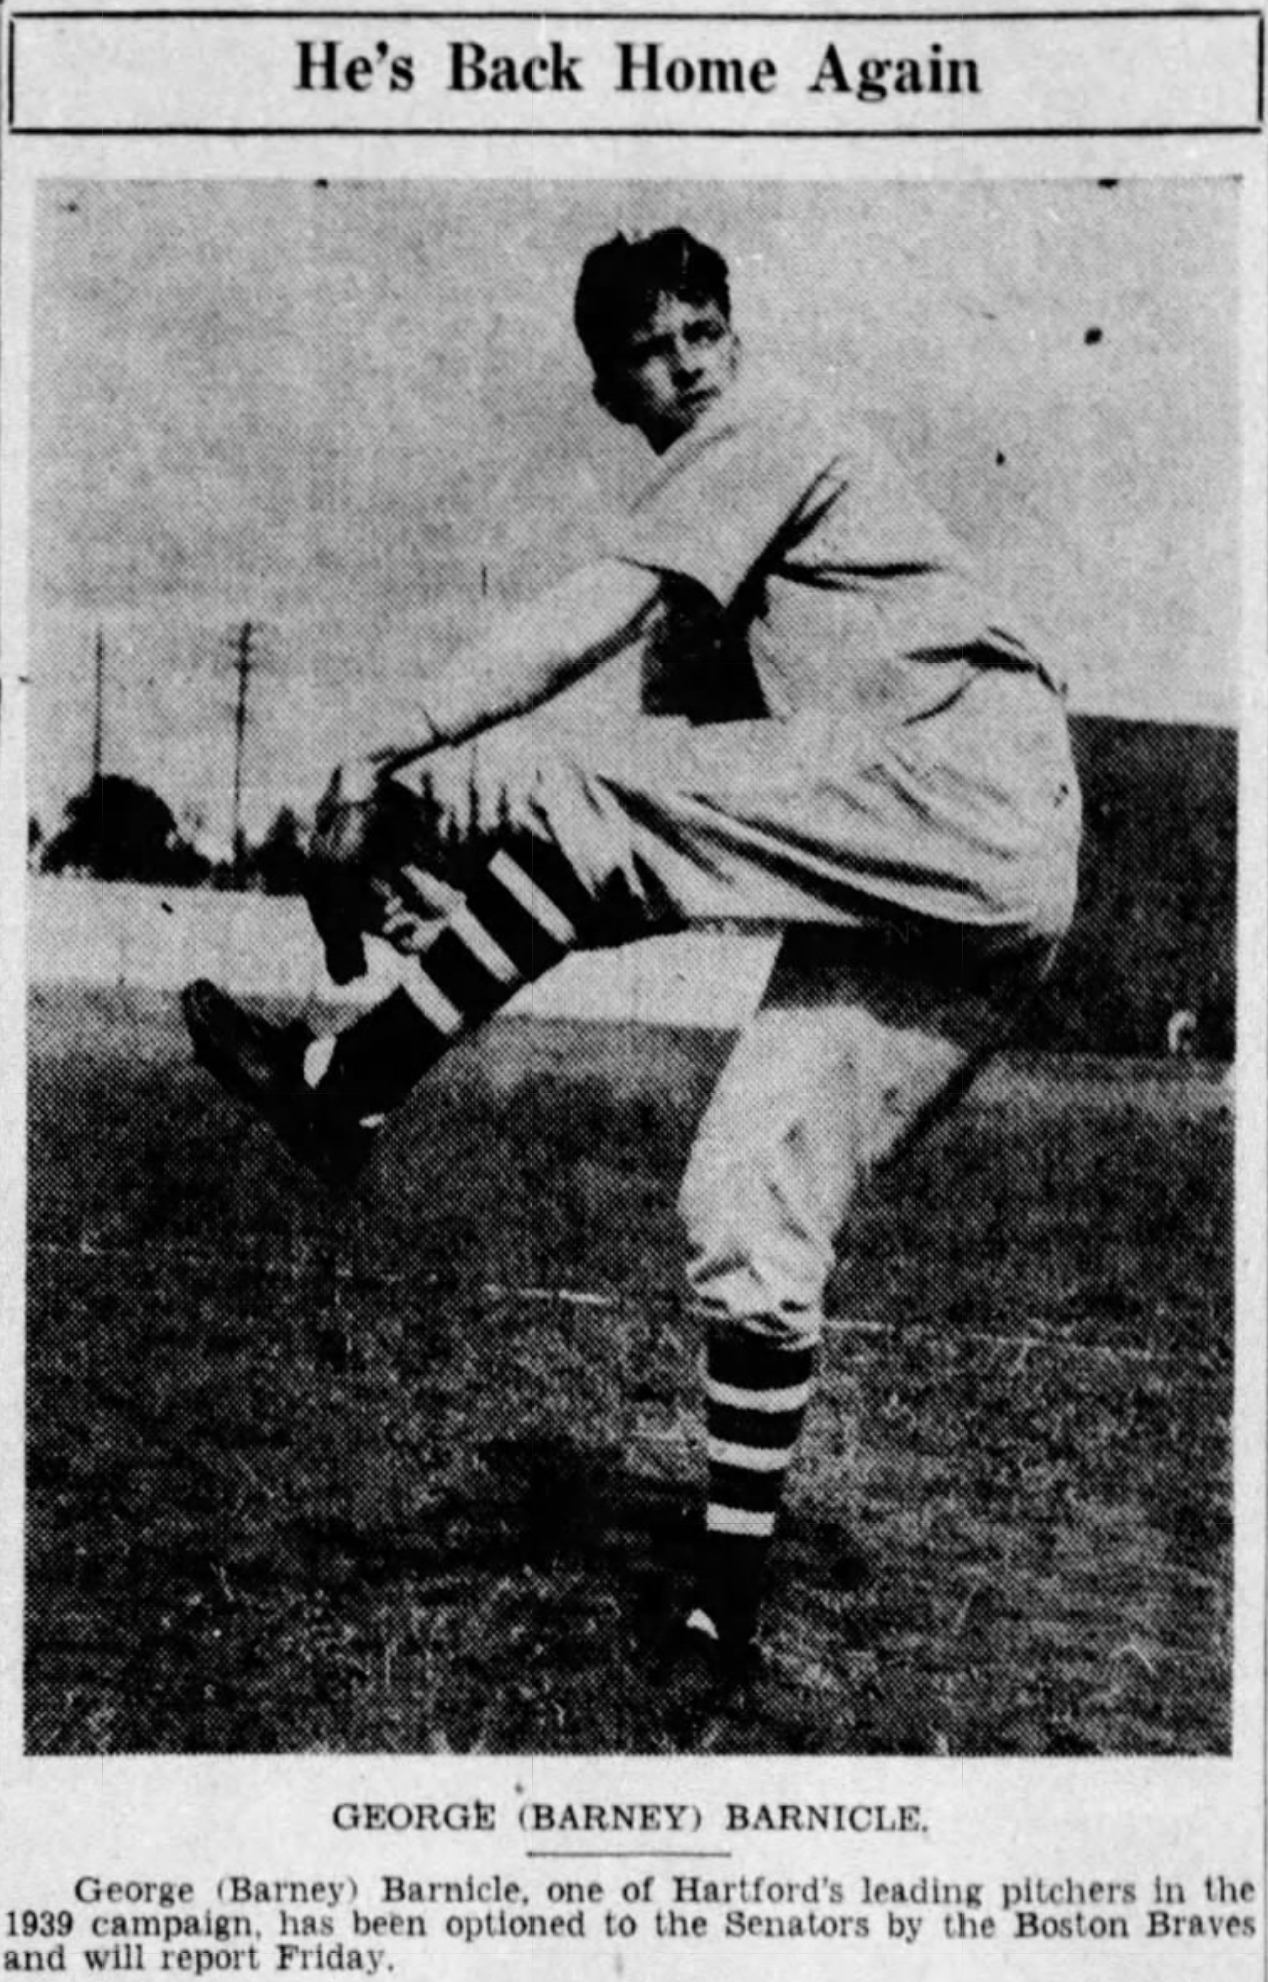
[632, 772]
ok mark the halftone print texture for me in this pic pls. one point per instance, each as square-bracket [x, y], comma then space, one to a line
[428, 1469]
[415, 1482]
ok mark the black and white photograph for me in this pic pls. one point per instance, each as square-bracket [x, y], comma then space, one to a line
[632, 825]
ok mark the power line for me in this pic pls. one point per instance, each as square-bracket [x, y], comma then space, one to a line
[243, 668]
[99, 707]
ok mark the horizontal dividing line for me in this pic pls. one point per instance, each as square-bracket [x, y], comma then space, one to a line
[629, 1854]
[675, 133]
[741, 134]
[736, 18]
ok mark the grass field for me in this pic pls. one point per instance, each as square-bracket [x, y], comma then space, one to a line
[419, 1482]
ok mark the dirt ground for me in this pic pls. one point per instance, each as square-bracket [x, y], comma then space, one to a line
[423, 1478]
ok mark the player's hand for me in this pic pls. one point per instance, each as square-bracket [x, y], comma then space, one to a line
[357, 883]
[347, 810]
[359, 779]
[412, 906]
[353, 784]
[355, 780]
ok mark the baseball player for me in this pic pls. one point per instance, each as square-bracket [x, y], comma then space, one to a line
[842, 737]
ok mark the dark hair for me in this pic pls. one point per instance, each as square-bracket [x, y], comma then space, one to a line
[621, 279]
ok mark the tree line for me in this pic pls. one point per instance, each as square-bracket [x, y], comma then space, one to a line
[117, 829]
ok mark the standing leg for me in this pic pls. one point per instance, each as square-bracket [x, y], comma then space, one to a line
[844, 1061]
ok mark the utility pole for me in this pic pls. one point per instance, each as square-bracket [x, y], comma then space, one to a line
[99, 708]
[243, 669]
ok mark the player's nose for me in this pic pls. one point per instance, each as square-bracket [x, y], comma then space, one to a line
[687, 363]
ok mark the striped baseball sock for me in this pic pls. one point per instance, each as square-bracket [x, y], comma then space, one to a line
[755, 1399]
[517, 920]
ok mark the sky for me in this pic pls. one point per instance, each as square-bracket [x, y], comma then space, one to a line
[354, 415]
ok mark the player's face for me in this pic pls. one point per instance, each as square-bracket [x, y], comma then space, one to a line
[675, 365]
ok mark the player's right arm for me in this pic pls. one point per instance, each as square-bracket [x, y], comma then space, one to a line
[534, 652]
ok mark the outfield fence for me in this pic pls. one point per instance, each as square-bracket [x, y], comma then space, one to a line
[122, 933]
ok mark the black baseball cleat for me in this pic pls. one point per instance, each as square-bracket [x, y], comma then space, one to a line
[700, 1677]
[262, 1065]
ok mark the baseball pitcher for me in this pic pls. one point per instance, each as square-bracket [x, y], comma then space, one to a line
[842, 737]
